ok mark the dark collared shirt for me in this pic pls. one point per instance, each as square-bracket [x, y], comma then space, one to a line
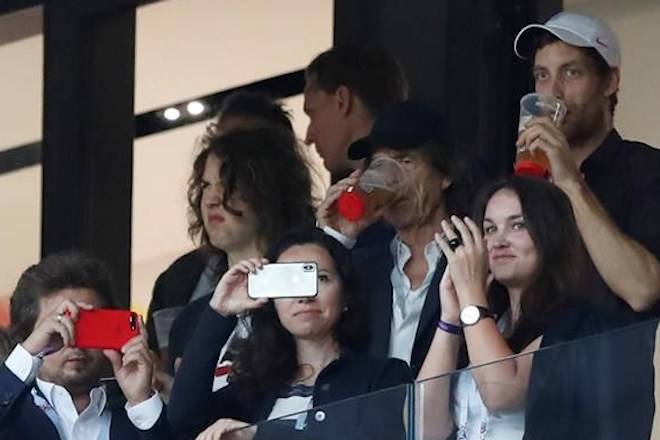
[625, 176]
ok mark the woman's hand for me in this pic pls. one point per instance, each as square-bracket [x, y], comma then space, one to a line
[230, 297]
[450, 309]
[227, 429]
[467, 263]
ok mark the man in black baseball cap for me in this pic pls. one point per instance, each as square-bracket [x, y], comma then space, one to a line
[401, 275]
[404, 126]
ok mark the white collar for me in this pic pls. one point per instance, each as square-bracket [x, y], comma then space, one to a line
[401, 253]
[57, 395]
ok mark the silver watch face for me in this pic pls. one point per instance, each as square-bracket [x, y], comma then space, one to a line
[470, 315]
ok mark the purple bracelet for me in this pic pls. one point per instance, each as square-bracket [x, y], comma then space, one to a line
[450, 328]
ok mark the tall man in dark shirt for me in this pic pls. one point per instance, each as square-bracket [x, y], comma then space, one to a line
[613, 184]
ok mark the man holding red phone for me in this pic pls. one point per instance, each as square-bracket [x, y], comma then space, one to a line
[50, 388]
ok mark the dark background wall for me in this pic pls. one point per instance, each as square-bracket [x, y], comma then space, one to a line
[458, 56]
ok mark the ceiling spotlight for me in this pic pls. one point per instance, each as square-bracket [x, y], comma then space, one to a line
[171, 114]
[195, 108]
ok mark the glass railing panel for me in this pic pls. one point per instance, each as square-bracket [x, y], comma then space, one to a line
[378, 415]
[597, 387]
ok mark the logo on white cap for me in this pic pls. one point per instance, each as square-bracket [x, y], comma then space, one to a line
[577, 30]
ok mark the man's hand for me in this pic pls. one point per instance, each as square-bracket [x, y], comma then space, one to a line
[133, 368]
[55, 330]
[227, 429]
[543, 134]
[327, 214]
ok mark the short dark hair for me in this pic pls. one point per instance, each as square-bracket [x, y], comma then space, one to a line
[551, 224]
[597, 62]
[64, 270]
[266, 167]
[370, 73]
[255, 105]
[267, 360]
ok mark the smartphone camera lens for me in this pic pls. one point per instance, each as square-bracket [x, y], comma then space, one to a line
[308, 267]
[133, 321]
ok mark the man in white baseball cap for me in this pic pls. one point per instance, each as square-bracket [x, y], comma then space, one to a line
[613, 184]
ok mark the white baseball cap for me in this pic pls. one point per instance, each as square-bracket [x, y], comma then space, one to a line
[574, 29]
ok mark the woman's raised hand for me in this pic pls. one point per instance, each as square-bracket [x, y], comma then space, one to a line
[231, 297]
[467, 261]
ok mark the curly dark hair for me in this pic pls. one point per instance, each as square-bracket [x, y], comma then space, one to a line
[563, 258]
[267, 360]
[64, 270]
[265, 166]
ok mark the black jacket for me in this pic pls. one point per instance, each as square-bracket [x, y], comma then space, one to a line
[374, 266]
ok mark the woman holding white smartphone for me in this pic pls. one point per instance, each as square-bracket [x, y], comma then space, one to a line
[301, 353]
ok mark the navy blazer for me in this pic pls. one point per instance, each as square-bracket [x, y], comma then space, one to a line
[374, 267]
[20, 418]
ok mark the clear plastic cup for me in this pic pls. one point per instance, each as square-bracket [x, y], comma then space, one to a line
[534, 105]
[378, 186]
[163, 320]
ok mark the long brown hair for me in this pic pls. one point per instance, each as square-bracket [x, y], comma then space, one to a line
[563, 259]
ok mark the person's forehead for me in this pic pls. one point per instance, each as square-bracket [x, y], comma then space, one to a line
[558, 52]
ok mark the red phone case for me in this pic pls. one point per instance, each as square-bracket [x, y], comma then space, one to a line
[105, 328]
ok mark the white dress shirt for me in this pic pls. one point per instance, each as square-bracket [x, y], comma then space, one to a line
[407, 303]
[94, 421]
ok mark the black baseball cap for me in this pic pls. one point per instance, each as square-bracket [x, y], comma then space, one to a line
[404, 126]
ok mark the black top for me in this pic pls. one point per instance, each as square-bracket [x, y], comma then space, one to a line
[625, 176]
[193, 404]
[599, 386]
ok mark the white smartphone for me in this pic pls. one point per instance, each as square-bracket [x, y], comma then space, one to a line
[284, 280]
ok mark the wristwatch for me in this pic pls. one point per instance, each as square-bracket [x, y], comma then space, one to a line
[472, 314]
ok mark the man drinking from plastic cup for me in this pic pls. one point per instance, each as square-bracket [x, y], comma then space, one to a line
[613, 184]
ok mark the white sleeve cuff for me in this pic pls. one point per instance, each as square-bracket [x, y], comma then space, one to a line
[23, 364]
[145, 414]
[348, 242]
